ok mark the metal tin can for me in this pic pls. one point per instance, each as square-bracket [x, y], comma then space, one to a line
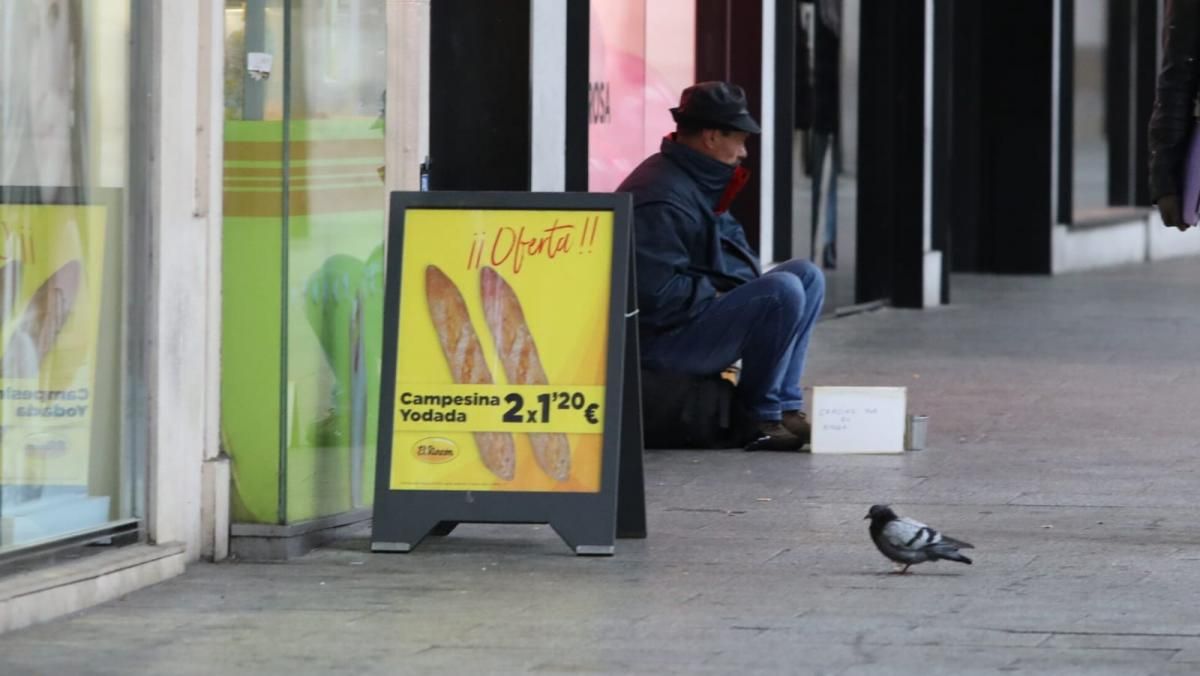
[915, 432]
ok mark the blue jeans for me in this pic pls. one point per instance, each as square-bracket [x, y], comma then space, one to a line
[766, 323]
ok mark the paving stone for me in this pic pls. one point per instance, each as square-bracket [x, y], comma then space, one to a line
[1062, 443]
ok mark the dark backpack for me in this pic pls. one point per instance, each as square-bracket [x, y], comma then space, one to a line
[686, 411]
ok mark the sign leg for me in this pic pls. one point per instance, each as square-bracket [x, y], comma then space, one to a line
[631, 486]
[584, 538]
[443, 528]
[403, 535]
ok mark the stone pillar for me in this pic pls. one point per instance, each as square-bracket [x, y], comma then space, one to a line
[407, 117]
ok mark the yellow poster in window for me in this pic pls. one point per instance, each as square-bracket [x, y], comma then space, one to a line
[51, 259]
[502, 341]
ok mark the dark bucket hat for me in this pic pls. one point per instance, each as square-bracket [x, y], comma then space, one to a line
[718, 105]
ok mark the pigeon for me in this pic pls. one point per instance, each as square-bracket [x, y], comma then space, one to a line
[907, 541]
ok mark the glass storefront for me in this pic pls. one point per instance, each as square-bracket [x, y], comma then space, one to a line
[303, 254]
[824, 201]
[66, 468]
[642, 55]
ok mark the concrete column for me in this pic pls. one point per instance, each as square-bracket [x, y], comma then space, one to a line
[931, 268]
[182, 315]
[210, 113]
[766, 167]
[548, 80]
[407, 116]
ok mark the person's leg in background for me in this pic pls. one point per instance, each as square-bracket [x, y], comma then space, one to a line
[829, 172]
[825, 196]
[816, 166]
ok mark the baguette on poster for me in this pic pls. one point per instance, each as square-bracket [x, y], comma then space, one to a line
[463, 352]
[522, 366]
[43, 320]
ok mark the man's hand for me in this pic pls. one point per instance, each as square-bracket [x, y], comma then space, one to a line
[1172, 213]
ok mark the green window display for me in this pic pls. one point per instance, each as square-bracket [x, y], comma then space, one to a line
[303, 255]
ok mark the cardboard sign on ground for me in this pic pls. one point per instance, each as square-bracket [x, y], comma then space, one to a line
[858, 419]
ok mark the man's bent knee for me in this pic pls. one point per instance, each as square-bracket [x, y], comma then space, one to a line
[787, 290]
[808, 272]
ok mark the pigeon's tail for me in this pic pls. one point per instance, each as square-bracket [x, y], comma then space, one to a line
[959, 544]
[950, 553]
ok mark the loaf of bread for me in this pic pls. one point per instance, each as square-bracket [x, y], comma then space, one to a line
[464, 354]
[43, 319]
[522, 366]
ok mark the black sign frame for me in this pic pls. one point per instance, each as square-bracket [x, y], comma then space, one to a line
[588, 522]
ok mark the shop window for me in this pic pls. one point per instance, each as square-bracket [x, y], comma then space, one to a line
[1109, 66]
[824, 144]
[67, 465]
[303, 254]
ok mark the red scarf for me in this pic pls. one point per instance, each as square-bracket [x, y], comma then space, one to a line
[740, 176]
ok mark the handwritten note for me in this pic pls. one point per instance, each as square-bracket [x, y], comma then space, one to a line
[858, 419]
[259, 62]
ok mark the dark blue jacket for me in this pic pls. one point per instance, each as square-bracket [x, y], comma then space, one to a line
[686, 252]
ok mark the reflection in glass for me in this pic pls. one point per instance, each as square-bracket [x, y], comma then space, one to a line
[63, 167]
[335, 258]
[253, 29]
[304, 230]
[824, 194]
[616, 93]
[251, 258]
[634, 81]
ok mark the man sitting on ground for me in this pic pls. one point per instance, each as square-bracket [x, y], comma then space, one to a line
[704, 301]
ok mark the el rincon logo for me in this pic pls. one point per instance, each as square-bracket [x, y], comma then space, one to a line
[435, 450]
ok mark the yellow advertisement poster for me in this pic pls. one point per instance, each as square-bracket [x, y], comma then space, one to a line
[501, 362]
[51, 259]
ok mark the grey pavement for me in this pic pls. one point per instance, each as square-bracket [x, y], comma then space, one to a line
[1064, 430]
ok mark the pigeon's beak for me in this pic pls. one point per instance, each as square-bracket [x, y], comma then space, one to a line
[867, 516]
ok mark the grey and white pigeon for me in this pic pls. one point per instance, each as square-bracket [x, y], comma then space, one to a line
[907, 541]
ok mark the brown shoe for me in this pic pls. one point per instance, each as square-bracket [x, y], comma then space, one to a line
[775, 437]
[797, 423]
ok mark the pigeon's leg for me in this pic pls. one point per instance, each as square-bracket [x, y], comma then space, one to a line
[899, 569]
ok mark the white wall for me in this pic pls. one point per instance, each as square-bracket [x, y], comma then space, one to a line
[1103, 246]
[1164, 242]
[183, 313]
[848, 121]
[548, 88]
[932, 262]
[210, 107]
[1139, 239]
[1090, 18]
[407, 117]
[766, 171]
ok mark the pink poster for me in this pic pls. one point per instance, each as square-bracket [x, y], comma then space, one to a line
[634, 81]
